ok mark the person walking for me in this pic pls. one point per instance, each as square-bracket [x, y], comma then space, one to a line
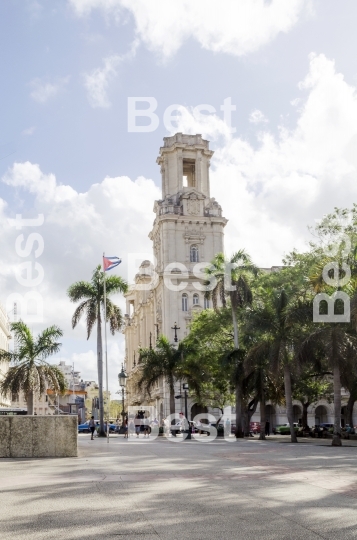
[131, 427]
[137, 422]
[146, 423]
[125, 427]
[267, 428]
[92, 427]
[166, 423]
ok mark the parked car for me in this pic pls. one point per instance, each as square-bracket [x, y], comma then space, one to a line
[84, 428]
[284, 429]
[326, 426]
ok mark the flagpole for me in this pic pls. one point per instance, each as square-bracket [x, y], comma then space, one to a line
[106, 348]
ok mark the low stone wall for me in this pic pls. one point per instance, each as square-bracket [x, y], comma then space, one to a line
[38, 436]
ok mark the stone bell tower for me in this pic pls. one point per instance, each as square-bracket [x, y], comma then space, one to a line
[184, 163]
[187, 233]
[188, 228]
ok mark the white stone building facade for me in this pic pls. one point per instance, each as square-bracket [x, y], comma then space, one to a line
[186, 234]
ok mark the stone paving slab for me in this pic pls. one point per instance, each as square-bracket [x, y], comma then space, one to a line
[127, 489]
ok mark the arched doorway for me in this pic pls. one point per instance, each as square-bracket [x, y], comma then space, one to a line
[270, 416]
[320, 415]
[198, 409]
[297, 414]
[161, 413]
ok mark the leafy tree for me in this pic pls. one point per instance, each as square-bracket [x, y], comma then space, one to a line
[163, 361]
[115, 408]
[232, 278]
[349, 381]
[29, 372]
[309, 387]
[335, 340]
[211, 334]
[335, 249]
[91, 297]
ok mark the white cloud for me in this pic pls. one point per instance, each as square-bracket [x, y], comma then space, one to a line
[190, 121]
[228, 26]
[257, 117]
[113, 216]
[43, 90]
[29, 131]
[271, 193]
[97, 82]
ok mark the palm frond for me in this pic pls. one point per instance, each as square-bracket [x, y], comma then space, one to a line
[80, 290]
[114, 316]
[93, 312]
[79, 311]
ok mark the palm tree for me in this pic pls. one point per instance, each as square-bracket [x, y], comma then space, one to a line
[163, 361]
[91, 296]
[231, 278]
[29, 372]
[276, 322]
[338, 342]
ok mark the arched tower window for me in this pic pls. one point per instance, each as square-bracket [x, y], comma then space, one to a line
[184, 302]
[194, 254]
[206, 303]
[195, 299]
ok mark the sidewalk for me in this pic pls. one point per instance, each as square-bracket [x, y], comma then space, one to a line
[130, 489]
[305, 440]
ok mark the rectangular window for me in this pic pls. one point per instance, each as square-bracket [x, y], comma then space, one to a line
[189, 172]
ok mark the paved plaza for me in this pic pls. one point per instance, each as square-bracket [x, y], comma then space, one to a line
[134, 489]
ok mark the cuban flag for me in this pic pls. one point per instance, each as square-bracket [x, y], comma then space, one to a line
[110, 262]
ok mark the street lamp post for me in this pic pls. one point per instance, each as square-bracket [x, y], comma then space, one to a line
[185, 387]
[122, 383]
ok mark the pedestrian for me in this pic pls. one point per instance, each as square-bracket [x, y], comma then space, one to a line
[137, 422]
[125, 427]
[166, 423]
[183, 423]
[146, 424]
[227, 430]
[131, 427]
[267, 428]
[92, 427]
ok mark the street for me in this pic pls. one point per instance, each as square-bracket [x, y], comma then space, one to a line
[133, 489]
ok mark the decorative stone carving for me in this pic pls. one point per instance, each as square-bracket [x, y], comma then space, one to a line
[193, 207]
[159, 310]
[194, 236]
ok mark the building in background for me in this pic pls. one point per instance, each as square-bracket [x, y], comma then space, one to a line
[5, 337]
[71, 402]
[92, 400]
[188, 229]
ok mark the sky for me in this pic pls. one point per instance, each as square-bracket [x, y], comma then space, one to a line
[73, 75]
